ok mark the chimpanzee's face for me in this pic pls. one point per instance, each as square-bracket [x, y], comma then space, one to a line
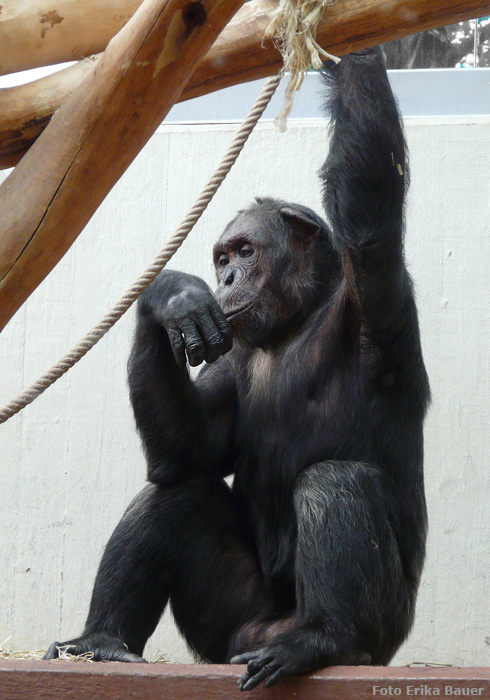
[261, 266]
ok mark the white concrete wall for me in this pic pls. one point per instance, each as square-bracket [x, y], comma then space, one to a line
[71, 461]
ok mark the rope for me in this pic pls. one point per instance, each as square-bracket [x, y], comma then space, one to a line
[170, 248]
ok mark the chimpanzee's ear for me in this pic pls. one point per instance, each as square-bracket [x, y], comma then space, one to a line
[302, 225]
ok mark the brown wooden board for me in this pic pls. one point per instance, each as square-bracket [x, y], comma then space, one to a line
[62, 680]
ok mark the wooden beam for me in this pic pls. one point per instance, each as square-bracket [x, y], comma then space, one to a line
[92, 139]
[26, 110]
[43, 32]
[57, 680]
[238, 56]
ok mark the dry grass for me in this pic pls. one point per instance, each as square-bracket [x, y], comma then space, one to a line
[30, 655]
[64, 654]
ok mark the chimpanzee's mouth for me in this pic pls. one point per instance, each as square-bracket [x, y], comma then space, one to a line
[236, 312]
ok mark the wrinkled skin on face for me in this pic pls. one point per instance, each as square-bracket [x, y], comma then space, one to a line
[266, 262]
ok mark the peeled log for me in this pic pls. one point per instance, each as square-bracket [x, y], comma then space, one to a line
[92, 139]
[238, 56]
[27, 109]
[43, 32]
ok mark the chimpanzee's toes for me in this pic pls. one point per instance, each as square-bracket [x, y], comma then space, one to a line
[52, 652]
[126, 657]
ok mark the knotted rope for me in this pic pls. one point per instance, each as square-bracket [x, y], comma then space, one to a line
[293, 29]
[170, 248]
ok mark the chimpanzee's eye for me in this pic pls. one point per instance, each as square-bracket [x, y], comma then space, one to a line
[222, 261]
[246, 251]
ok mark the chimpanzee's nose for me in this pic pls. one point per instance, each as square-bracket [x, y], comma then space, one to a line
[230, 276]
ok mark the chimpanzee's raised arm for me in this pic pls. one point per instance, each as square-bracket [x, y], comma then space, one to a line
[365, 178]
[186, 427]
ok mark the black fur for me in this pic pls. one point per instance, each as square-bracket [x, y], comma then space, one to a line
[314, 556]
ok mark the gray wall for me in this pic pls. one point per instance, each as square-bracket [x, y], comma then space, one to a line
[71, 461]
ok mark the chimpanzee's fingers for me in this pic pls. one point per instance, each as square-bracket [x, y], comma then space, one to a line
[259, 676]
[213, 340]
[178, 345]
[223, 325]
[52, 652]
[245, 658]
[126, 657]
[194, 345]
[62, 650]
[277, 676]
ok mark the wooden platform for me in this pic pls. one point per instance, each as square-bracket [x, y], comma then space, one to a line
[56, 680]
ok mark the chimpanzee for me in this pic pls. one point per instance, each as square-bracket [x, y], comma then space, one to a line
[313, 556]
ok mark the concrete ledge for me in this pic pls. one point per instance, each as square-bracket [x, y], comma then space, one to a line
[56, 680]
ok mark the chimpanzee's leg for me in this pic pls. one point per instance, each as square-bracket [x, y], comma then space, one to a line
[353, 602]
[189, 542]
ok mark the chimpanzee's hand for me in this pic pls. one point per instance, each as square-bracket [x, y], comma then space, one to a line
[284, 658]
[272, 663]
[185, 306]
[103, 646]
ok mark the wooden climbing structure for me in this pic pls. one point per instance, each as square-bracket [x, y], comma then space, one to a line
[72, 135]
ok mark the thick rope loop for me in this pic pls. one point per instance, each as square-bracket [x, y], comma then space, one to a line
[170, 248]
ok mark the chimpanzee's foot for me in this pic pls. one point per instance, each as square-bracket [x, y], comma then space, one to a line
[103, 646]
